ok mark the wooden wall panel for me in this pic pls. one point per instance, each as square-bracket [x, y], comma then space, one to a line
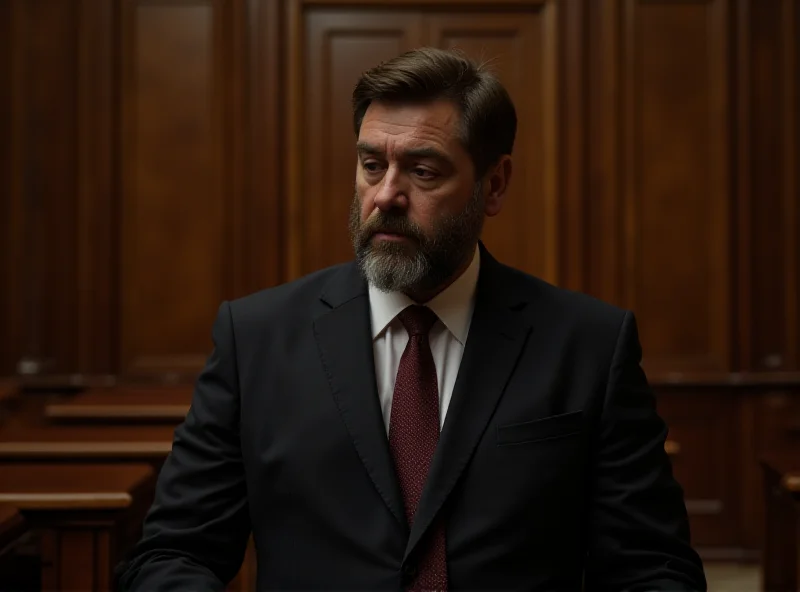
[770, 215]
[332, 47]
[10, 210]
[42, 186]
[341, 43]
[775, 426]
[664, 200]
[603, 202]
[98, 158]
[262, 230]
[793, 171]
[523, 49]
[179, 202]
[705, 460]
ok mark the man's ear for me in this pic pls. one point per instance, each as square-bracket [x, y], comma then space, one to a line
[497, 180]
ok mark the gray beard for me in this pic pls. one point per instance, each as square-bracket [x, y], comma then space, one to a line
[426, 265]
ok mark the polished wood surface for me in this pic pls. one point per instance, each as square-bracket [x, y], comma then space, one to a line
[781, 562]
[124, 403]
[84, 517]
[705, 461]
[58, 479]
[147, 442]
[73, 486]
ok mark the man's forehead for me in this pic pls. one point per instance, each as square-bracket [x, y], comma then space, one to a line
[439, 118]
[409, 128]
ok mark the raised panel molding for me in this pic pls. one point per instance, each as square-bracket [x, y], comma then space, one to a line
[330, 47]
[792, 68]
[96, 253]
[676, 271]
[179, 196]
[706, 460]
[767, 160]
[523, 49]
[41, 188]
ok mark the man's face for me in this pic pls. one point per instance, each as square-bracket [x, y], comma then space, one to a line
[418, 211]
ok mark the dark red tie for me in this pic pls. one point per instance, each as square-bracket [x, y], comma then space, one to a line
[414, 434]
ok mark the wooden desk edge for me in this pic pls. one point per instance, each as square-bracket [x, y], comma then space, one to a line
[67, 411]
[141, 477]
[22, 449]
[64, 501]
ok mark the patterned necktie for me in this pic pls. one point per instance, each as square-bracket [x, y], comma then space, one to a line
[414, 434]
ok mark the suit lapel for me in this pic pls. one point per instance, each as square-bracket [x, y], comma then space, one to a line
[496, 338]
[344, 340]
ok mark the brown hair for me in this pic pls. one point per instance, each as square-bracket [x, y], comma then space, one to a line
[488, 117]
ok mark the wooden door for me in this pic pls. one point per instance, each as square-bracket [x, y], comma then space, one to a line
[331, 48]
[522, 48]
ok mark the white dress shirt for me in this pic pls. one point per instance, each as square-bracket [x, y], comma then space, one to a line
[453, 306]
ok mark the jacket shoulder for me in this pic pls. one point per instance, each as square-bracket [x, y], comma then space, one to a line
[575, 309]
[294, 296]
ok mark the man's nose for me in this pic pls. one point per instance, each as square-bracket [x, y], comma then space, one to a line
[392, 191]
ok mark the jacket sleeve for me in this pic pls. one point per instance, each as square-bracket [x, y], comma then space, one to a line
[639, 529]
[196, 531]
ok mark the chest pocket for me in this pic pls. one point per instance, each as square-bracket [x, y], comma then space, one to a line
[546, 428]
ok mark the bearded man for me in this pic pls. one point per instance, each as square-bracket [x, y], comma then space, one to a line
[424, 417]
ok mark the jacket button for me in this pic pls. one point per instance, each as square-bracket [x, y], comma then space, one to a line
[409, 573]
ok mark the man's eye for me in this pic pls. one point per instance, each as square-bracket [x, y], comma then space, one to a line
[372, 167]
[424, 174]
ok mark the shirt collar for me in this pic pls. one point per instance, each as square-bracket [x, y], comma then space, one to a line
[453, 305]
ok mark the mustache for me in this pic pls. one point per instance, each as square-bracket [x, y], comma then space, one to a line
[392, 224]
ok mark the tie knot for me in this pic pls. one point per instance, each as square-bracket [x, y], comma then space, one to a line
[417, 319]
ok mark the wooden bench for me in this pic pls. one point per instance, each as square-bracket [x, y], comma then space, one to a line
[125, 405]
[84, 516]
[781, 559]
[148, 442]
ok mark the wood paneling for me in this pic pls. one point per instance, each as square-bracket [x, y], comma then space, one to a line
[262, 231]
[769, 200]
[676, 200]
[10, 243]
[339, 44]
[573, 144]
[604, 188]
[41, 187]
[781, 561]
[660, 158]
[705, 461]
[179, 199]
[96, 249]
[523, 50]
